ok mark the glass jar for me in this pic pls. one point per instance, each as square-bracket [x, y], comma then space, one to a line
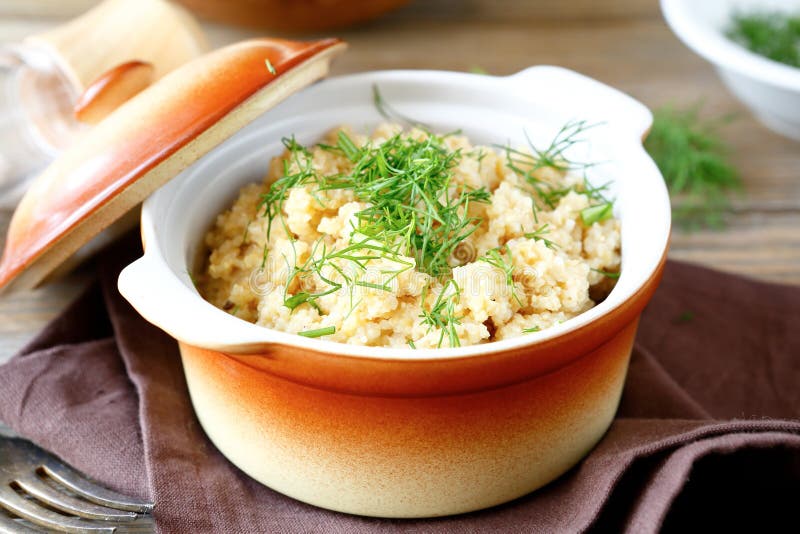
[36, 116]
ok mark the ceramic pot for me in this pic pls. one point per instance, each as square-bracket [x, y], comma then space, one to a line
[400, 432]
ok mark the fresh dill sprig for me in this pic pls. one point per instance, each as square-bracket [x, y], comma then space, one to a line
[526, 164]
[597, 213]
[389, 113]
[323, 262]
[415, 208]
[614, 275]
[595, 193]
[246, 232]
[272, 201]
[496, 259]
[693, 160]
[442, 314]
[319, 332]
[538, 235]
[772, 34]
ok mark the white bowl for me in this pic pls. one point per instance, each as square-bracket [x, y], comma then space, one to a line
[770, 89]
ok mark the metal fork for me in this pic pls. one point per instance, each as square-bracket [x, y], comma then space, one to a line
[34, 484]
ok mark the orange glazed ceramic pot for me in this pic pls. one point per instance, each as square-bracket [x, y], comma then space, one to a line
[401, 432]
[410, 439]
[293, 15]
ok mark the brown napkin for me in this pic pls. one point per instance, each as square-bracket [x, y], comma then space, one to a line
[707, 435]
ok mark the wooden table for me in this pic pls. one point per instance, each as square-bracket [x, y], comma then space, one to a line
[624, 43]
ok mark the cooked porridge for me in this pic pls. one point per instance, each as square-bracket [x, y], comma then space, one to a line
[407, 238]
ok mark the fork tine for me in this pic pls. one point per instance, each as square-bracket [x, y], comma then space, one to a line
[9, 526]
[93, 492]
[26, 509]
[56, 499]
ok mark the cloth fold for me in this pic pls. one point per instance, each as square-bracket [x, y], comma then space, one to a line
[707, 433]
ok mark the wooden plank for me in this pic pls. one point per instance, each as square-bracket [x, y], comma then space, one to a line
[763, 245]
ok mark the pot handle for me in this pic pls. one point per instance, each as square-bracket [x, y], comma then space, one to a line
[169, 303]
[588, 98]
[143, 285]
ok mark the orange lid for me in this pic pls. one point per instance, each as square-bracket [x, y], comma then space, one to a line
[146, 142]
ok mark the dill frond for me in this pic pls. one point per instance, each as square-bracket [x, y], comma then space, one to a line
[442, 314]
[772, 34]
[319, 332]
[693, 159]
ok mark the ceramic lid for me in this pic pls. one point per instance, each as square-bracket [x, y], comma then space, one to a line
[146, 142]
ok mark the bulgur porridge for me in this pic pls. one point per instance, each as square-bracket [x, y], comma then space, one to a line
[409, 238]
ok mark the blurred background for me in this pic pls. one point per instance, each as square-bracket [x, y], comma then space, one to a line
[624, 43]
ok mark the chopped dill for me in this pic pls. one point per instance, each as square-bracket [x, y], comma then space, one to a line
[319, 332]
[415, 208]
[597, 213]
[264, 255]
[442, 314]
[496, 259]
[551, 195]
[321, 260]
[271, 67]
[246, 232]
[693, 159]
[272, 201]
[614, 275]
[411, 344]
[389, 113]
[538, 235]
[528, 165]
[595, 193]
[772, 34]
[531, 330]
[477, 69]
[297, 299]
[348, 147]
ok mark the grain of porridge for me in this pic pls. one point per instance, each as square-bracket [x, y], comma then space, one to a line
[407, 238]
